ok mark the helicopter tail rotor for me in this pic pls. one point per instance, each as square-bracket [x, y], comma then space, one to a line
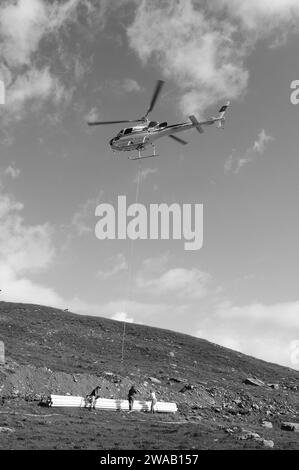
[221, 118]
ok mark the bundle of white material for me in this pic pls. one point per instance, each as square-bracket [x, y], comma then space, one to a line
[111, 404]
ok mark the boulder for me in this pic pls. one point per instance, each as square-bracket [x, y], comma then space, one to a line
[290, 427]
[268, 443]
[6, 429]
[154, 380]
[250, 435]
[254, 381]
[274, 386]
[267, 424]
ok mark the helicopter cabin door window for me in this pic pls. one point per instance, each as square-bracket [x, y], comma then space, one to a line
[128, 131]
[152, 124]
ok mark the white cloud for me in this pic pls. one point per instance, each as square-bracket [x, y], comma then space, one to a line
[119, 263]
[24, 24]
[203, 46]
[156, 264]
[122, 316]
[93, 115]
[228, 164]
[27, 250]
[196, 51]
[12, 171]
[22, 248]
[121, 87]
[234, 163]
[264, 331]
[129, 85]
[179, 282]
[81, 220]
[38, 85]
[262, 15]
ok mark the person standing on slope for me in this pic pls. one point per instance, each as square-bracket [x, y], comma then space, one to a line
[153, 401]
[92, 397]
[131, 394]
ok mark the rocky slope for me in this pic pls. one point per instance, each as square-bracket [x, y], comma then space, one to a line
[225, 399]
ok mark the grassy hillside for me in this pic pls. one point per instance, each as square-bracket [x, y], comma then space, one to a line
[50, 351]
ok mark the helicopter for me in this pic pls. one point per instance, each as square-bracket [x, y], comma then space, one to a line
[146, 132]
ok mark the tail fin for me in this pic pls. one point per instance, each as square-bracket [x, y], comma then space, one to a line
[196, 124]
[221, 117]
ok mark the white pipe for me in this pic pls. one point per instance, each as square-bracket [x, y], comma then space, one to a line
[111, 404]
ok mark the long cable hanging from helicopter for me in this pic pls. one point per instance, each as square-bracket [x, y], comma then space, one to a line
[139, 137]
[129, 289]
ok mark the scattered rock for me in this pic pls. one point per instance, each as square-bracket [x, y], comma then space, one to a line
[2, 353]
[176, 379]
[6, 429]
[229, 430]
[116, 380]
[238, 402]
[268, 443]
[274, 386]
[254, 381]
[216, 409]
[171, 354]
[267, 424]
[290, 427]
[249, 435]
[154, 380]
[187, 387]
[244, 412]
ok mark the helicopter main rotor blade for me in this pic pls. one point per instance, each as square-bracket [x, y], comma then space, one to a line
[181, 141]
[100, 123]
[156, 93]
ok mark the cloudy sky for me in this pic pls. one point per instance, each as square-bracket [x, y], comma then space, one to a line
[68, 61]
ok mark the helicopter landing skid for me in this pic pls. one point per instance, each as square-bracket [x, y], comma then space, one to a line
[140, 157]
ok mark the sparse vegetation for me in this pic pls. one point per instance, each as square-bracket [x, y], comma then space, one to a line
[51, 351]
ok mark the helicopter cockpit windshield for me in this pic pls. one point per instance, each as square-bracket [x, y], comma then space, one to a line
[128, 130]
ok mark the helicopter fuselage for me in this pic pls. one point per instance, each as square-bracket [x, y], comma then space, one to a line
[139, 137]
[146, 132]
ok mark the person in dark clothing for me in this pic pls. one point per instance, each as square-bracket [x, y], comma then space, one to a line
[131, 394]
[91, 398]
